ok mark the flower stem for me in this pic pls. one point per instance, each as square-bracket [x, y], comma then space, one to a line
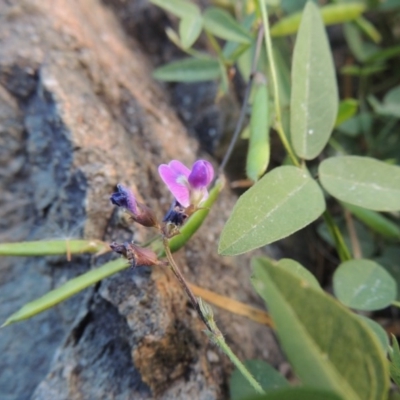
[183, 282]
[206, 315]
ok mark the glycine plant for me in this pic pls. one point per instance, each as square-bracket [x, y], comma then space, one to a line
[335, 352]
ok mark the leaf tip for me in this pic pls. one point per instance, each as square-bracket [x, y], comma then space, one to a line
[6, 323]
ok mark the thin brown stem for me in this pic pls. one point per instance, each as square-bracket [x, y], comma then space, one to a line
[355, 243]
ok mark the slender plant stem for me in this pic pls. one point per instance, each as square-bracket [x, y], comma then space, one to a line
[278, 116]
[239, 365]
[343, 251]
[243, 110]
[206, 316]
[183, 282]
[151, 240]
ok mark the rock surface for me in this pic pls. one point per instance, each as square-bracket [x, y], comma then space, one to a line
[79, 112]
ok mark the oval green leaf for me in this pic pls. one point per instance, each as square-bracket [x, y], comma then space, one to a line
[314, 97]
[67, 290]
[267, 376]
[331, 14]
[258, 153]
[293, 267]
[180, 8]
[347, 109]
[297, 393]
[223, 25]
[395, 361]
[362, 181]
[188, 70]
[327, 345]
[297, 269]
[279, 204]
[190, 29]
[364, 285]
[378, 331]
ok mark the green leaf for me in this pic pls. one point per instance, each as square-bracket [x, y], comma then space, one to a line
[362, 181]
[292, 6]
[233, 51]
[391, 103]
[378, 331]
[293, 267]
[377, 222]
[297, 269]
[354, 70]
[223, 25]
[67, 290]
[190, 29]
[364, 285]
[360, 49]
[356, 125]
[369, 29]
[279, 204]
[258, 153]
[53, 247]
[297, 393]
[331, 14]
[385, 54]
[224, 81]
[314, 98]
[390, 260]
[188, 70]
[180, 8]
[268, 377]
[395, 361]
[327, 345]
[347, 109]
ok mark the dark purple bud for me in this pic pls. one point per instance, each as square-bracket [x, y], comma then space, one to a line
[176, 214]
[140, 213]
[124, 198]
[136, 255]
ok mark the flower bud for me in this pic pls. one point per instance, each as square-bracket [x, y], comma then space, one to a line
[139, 212]
[137, 256]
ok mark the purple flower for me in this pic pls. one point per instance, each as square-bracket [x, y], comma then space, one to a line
[139, 212]
[189, 187]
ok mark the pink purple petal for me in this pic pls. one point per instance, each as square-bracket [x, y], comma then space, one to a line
[179, 168]
[202, 174]
[175, 181]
